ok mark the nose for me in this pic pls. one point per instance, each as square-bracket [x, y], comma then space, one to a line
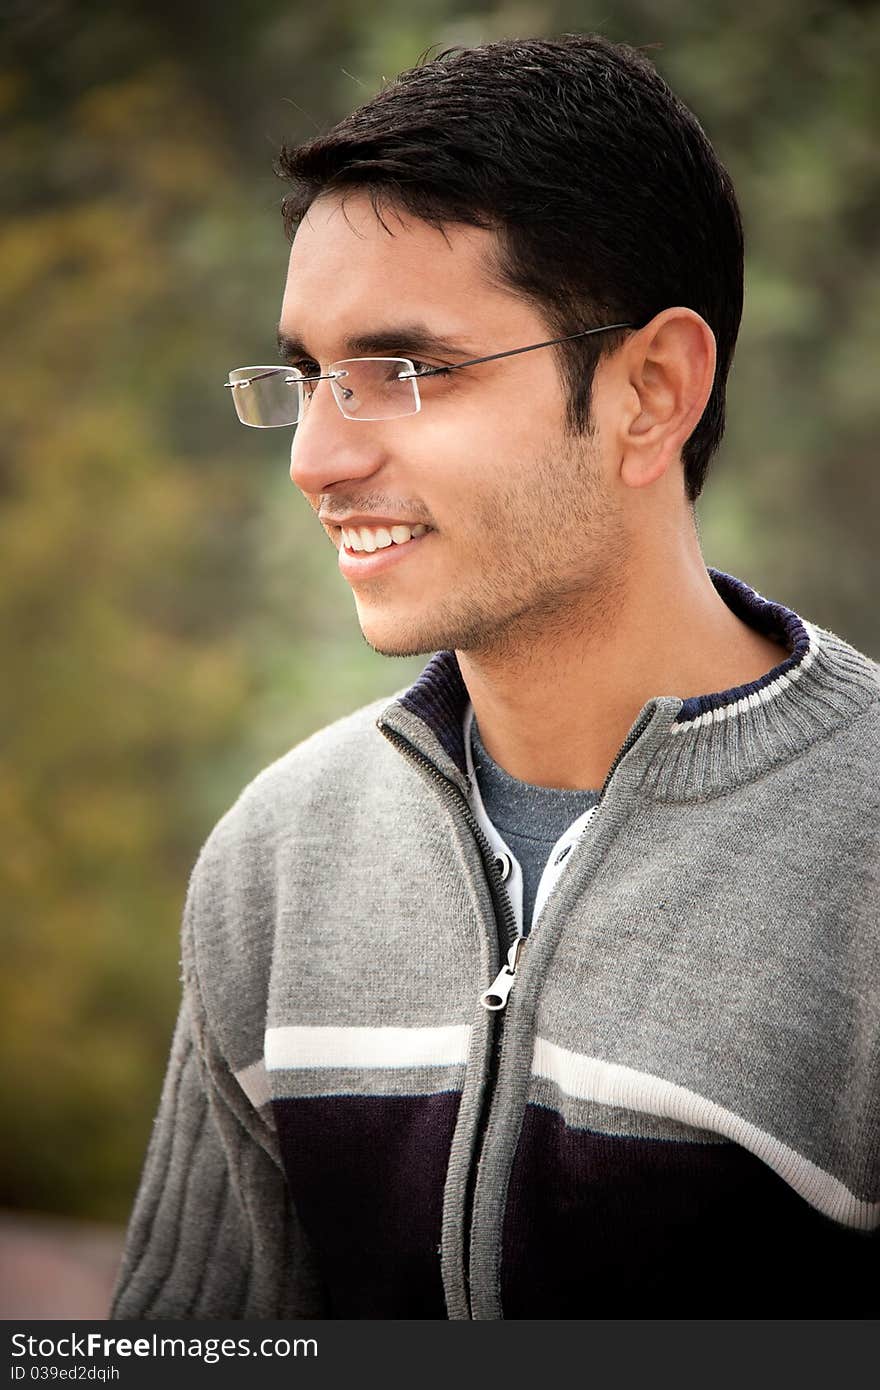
[327, 448]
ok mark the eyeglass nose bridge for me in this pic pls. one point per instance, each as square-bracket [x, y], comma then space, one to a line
[334, 375]
[331, 376]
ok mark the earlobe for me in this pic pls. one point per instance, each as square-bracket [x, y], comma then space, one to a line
[671, 368]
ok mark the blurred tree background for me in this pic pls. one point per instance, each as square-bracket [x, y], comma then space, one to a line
[170, 618]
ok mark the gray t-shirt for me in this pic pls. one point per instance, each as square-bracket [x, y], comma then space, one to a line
[530, 819]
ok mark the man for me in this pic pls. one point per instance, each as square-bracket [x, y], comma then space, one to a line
[547, 988]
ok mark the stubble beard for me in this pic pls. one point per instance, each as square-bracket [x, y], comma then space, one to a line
[536, 583]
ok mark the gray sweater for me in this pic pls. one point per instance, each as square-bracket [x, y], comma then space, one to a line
[677, 1113]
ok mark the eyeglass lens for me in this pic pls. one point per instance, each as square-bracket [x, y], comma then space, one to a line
[365, 388]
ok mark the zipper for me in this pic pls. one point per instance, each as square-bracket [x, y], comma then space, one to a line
[495, 998]
[501, 903]
[632, 737]
[451, 793]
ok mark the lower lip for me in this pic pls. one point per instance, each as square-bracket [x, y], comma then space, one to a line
[359, 564]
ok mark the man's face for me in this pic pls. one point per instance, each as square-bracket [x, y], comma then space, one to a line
[525, 531]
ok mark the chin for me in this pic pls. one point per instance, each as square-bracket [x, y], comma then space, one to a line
[397, 638]
[391, 647]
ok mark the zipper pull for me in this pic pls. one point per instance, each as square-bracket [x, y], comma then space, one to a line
[495, 997]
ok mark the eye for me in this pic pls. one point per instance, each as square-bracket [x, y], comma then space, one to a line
[425, 368]
[307, 366]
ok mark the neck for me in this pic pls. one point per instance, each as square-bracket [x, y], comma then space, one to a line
[554, 708]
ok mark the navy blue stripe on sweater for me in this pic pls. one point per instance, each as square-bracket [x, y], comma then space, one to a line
[367, 1175]
[595, 1225]
[599, 1225]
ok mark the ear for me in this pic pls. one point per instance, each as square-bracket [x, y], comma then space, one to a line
[670, 368]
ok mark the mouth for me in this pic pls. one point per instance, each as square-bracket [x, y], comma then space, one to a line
[367, 540]
[380, 549]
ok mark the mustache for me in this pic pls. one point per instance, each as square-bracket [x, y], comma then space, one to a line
[371, 508]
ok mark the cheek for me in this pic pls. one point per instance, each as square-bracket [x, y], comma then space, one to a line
[469, 453]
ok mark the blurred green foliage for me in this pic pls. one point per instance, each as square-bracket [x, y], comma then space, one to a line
[170, 621]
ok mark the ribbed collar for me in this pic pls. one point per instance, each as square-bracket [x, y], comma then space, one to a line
[700, 746]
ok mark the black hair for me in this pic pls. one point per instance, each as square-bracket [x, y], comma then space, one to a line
[606, 195]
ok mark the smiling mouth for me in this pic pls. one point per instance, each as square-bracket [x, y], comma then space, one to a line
[368, 539]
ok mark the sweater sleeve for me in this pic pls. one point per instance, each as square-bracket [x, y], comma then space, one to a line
[213, 1233]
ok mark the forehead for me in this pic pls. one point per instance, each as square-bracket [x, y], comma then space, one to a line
[346, 270]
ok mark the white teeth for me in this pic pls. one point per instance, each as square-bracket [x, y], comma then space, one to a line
[379, 537]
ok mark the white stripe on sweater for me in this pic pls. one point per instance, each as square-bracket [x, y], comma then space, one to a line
[589, 1078]
[289, 1048]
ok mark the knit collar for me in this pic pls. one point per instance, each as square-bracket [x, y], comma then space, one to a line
[699, 746]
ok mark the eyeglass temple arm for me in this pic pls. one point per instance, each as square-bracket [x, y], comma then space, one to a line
[512, 352]
[436, 371]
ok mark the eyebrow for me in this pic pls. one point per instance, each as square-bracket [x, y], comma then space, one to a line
[414, 337]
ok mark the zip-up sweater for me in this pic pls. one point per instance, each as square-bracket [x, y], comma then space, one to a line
[677, 1111]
